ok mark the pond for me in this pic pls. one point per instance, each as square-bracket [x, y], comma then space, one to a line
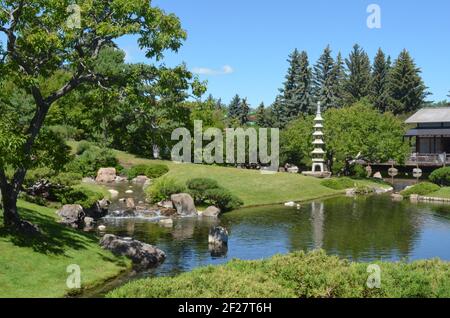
[358, 228]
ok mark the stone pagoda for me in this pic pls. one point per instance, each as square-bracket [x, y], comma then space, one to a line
[318, 154]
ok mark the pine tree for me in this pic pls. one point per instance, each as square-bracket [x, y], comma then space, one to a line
[302, 99]
[339, 81]
[408, 90]
[380, 94]
[324, 79]
[244, 109]
[286, 99]
[357, 84]
[234, 107]
[261, 115]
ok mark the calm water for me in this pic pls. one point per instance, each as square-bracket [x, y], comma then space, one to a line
[360, 228]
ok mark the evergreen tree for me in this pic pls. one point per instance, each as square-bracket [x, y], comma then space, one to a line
[234, 107]
[380, 94]
[339, 81]
[324, 79]
[287, 97]
[408, 90]
[357, 84]
[261, 115]
[244, 109]
[302, 99]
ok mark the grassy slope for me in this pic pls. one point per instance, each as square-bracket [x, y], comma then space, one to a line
[297, 275]
[251, 186]
[443, 192]
[37, 267]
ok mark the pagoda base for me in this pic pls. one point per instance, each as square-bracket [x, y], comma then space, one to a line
[317, 174]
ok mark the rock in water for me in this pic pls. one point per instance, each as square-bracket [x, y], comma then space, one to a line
[143, 255]
[72, 215]
[130, 204]
[218, 236]
[140, 180]
[166, 222]
[89, 224]
[184, 204]
[211, 211]
[396, 197]
[106, 175]
[98, 210]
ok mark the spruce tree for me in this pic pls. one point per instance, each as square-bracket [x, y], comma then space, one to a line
[302, 99]
[357, 84]
[233, 108]
[408, 90]
[244, 109]
[380, 94]
[324, 79]
[260, 115]
[339, 81]
[286, 100]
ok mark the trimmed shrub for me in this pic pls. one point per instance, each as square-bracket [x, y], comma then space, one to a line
[151, 171]
[163, 188]
[66, 179]
[338, 183]
[441, 176]
[198, 186]
[83, 146]
[359, 171]
[84, 197]
[93, 159]
[422, 188]
[223, 199]
[37, 174]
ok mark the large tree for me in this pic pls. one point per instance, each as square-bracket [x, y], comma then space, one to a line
[324, 79]
[357, 84]
[380, 94]
[408, 90]
[43, 37]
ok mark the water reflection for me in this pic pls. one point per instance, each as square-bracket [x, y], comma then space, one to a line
[360, 228]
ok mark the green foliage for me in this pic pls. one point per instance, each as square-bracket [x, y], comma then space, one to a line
[82, 146]
[149, 170]
[66, 179]
[91, 160]
[82, 196]
[38, 174]
[198, 186]
[358, 171]
[338, 183]
[380, 90]
[163, 188]
[422, 188]
[223, 199]
[357, 84]
[298, 275]
[325, 80]
[441, 176]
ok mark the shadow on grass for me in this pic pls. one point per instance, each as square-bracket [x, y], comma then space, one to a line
[54, 239]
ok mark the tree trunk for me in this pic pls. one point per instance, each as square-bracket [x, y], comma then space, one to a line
[11, 215]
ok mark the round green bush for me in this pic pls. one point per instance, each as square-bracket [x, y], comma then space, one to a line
[91, 160]
[441, 176]
[66, 179]
[152, 171]
[422, 188]
[338, 183]
[223, 199]
[163, 188]
[84, 197]
[198, 186]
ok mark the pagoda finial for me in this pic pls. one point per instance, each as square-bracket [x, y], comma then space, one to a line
[318, 108]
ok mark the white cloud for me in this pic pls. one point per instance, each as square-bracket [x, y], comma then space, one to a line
[226, 69]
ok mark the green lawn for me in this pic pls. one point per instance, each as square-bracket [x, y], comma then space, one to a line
[295, 275]
[251, 186]
[37, 267]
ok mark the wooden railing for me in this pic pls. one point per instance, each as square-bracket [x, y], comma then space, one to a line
[432, 159]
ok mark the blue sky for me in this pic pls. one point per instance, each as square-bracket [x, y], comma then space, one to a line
[241, 46]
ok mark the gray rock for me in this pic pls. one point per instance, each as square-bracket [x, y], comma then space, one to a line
[140, 180]
[130, 204]
[218, 236]
[106, 175]
[120, 179]
[166, 222]
[114, 193]
[184, 204]
[211, 211]
[165, 204]
[98, 210]
[89, 224]
[142, 254]
[72, 215]
[378, 175]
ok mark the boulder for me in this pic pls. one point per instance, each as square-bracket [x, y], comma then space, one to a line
[142, 254]
[130, 204]
[129, 192]
[211, 211]
[106, 175]
[114, 193]
[101, 228]
[72, 215]
[292, 169]
[140, 180]
[218, 236]
[414, 198]
[396, 197]
[98, 210]
[378, 175]
[165, 204]
[89, 224]
[184, 204]
[120, 179]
